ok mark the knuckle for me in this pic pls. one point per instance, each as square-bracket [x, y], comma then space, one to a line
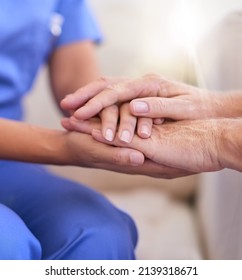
[124, 108]
[151, 76]
[103, 80]
[160, 106]
[119, 158]
[113, 109]
[157, 83]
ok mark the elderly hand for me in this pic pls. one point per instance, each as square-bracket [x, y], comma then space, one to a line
[193, 146]
[155, 97]
[92, 153]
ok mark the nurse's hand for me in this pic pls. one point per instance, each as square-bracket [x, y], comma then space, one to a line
[82, 150]
[192, 146]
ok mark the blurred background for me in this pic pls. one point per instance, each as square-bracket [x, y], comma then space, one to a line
[198, 42]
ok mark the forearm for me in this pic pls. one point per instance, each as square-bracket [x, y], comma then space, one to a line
[24, 142]
[230, 104]
[230, 143]
[71, 67]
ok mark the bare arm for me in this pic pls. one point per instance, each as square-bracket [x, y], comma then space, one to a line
[24, 142]
[72, 66]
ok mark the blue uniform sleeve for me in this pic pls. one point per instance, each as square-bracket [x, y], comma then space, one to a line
[78, 23]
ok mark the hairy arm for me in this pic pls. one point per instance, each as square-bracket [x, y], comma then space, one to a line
[231, 145]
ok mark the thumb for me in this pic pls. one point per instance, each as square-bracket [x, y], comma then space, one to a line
[159, 107]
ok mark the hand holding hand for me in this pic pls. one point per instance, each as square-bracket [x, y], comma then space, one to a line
[192, 146]
[152, 97]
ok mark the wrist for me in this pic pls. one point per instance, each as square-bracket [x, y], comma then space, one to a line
[230, 152]
[55, 147]
[228, 104]
[49, 146]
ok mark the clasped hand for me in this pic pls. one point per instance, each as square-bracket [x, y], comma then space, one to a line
[175, 126]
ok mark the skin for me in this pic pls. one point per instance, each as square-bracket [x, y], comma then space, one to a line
[107, 98]
[180, 145]
[206, 136]
[24, 142]
[67, 75]
[28, 143]
[189, 102]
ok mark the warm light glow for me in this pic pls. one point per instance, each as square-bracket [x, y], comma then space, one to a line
[185, 24]
[187, 27]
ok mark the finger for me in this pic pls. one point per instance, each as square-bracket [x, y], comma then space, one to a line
[158, 107]
[135, 159]
[127, 124]
[125, 155]
[151, 168]
[158, 121]
[78, 98]
[107, 97]
[121, 90]
[144, 127]
[65, 122]
[109, 118]
[84, 126]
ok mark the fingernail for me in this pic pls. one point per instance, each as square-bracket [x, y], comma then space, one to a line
[140, 107]
[109, 135]
[67, 97]
[136, 159]
[145, 131]
[125, 136]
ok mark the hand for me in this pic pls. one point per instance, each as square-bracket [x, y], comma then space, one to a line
[110, 114]
[190, 102]
[192, 146]
[110, 117]
[108, 157]
[83, 150]
[91, 99]
[160, 98]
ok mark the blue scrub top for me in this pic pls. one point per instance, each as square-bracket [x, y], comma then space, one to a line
[29, 31]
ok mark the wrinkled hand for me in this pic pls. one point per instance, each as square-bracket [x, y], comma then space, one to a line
[192, 146]
[154, 97]
[83, 150]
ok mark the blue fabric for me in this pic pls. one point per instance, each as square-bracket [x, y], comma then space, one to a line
[16, 240]
[60, 218]
[43, 216]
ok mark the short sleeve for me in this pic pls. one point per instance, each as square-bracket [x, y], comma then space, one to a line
[78, 22]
